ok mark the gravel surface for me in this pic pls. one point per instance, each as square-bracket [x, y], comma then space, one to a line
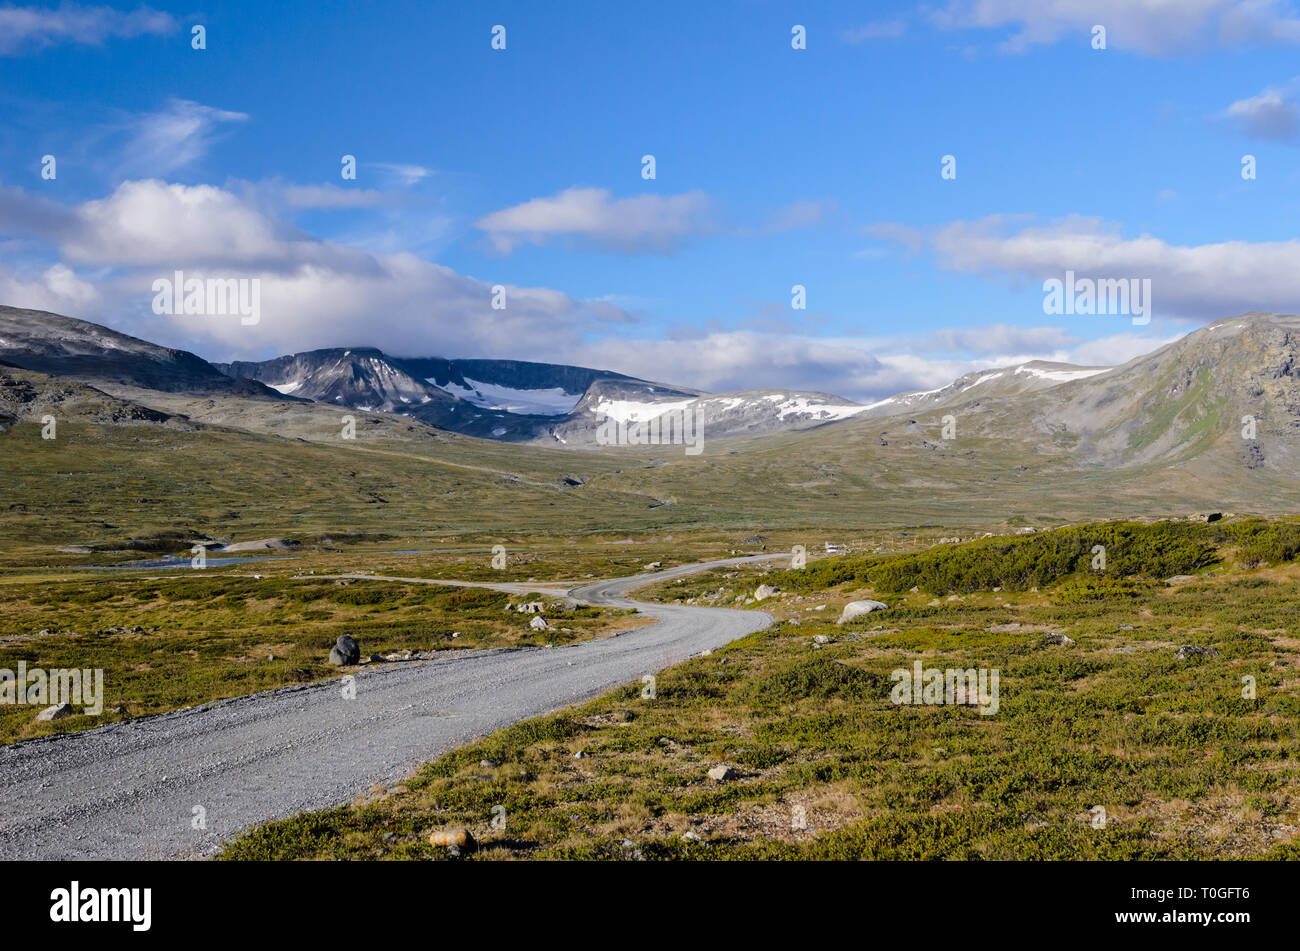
[130, 790]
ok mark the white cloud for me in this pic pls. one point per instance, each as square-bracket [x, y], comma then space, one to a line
[1273, 114]
[153, 224]
[644, 223]
[24, 29]
[1189, 282]
[1150, 27]
[58, 289]
[314, 293]
[176, 136]
[403, 174]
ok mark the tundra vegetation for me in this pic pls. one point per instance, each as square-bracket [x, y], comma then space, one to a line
[1108, 744]
[170, 642]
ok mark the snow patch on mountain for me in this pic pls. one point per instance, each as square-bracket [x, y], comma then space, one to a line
[803, 406]
[1061, 376]
[628, 411]
[548, 402]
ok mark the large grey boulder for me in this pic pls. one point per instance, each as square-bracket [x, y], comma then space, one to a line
[765, 591]
[345, 652]
[858, 608]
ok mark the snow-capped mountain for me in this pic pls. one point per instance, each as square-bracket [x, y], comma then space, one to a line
[508, 400]
[527, 402]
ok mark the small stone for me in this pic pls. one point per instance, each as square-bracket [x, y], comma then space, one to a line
[1195, 650]
[452, 837]
[487, 764]
[722, 773]
[1059, 640]
[691, 837]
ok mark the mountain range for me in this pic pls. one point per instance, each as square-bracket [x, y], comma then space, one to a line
[1210, 421]
[509, 400]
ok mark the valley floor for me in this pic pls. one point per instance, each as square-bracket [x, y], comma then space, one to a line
[1148, 710]
[1107, 743]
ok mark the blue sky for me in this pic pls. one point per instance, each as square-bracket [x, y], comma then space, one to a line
[774, 167]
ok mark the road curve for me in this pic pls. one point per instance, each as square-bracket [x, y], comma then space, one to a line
[133, 789]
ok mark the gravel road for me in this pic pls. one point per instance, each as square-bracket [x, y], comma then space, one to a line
[131, 790]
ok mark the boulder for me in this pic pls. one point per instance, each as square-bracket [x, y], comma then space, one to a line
[1195, 650]
[722, 773]
[1059, 640]
[858, 608]
[538, 623]
[764, 591]
[56, 712]
[345, 652]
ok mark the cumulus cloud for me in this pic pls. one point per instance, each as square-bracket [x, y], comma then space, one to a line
[1273, 114]
[57, 289]
[1149, 27]
[27, 29]
[645, 223]
[1189, 282]
[314, 293]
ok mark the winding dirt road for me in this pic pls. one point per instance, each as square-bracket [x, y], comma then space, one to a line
[136, 789]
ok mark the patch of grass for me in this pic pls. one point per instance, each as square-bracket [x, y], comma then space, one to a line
[165, 643]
